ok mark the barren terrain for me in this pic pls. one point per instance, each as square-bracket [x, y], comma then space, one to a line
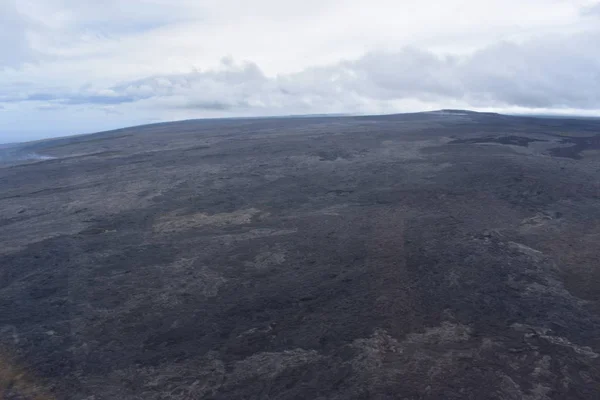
[423, 256]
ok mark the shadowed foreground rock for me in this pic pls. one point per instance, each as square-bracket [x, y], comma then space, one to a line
[426, 256]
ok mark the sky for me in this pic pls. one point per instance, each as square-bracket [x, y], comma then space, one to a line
[78, 66]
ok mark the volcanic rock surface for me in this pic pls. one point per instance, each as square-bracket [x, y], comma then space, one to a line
[449, 255]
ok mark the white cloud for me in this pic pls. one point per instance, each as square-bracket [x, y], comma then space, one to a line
[13, 31]
[593, 10]
[145, 59]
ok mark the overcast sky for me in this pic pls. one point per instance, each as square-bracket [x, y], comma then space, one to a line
[75, 66]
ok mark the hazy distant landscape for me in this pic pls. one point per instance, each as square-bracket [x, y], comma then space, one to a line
[442, 255]
[11, 154]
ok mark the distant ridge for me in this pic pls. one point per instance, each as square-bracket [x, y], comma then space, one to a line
[450, 111]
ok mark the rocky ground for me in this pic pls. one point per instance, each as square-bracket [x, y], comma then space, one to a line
[429, 256]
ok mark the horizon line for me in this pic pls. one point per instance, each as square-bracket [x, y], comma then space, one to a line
[308, 116]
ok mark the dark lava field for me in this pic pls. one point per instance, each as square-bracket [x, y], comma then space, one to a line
[443, 255]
